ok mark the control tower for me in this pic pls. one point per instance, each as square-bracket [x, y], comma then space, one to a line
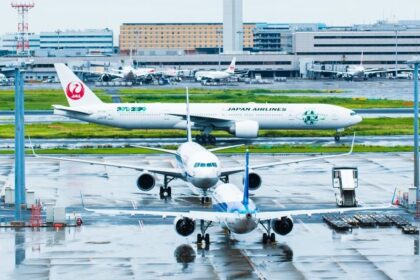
[232, 26]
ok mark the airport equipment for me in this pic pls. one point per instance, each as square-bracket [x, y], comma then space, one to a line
[20, 198]
[345, 182]
[22, 45]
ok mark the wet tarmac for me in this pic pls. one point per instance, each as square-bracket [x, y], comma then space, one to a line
[130, 247]
[387, 141]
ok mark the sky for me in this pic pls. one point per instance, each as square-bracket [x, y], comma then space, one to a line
[51, 15]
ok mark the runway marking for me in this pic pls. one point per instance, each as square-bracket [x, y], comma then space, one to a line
[252, 265]
[141, 225]
[304, 226]
[278, 204]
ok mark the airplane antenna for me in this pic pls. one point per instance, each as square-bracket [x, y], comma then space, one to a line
[246, 179]
[189, 136]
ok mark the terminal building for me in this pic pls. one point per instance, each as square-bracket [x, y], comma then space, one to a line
[64, 43]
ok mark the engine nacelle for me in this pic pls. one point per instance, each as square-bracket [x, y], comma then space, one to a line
[245, 129]
[254, 181]
[184, 226]
[282, 226]
[106, 78]
[146, 182]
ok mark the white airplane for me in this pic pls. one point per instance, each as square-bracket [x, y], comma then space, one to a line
[126, 72]
[217, 75]
[244, 120]
[196, 165]
[359, 71]
[236, 212]
[3, 78]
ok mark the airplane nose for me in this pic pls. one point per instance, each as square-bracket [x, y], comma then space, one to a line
[357, 119]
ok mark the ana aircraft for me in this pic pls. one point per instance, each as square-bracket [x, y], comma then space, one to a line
[236, 212]
[195, 164]
[217, 75]
[244, 120]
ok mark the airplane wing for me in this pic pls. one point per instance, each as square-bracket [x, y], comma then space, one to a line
[270, 215]
[115, 74]
[225, 148]
[194, 215]
[198, 119]
[173, 172]
[233, 170]
[172, 152]
[221, 216]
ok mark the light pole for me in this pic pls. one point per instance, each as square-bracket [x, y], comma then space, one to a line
[396, 51]
[416, 62]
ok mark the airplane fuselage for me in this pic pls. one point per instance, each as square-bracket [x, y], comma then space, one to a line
[223, 115]
[201, 168]
[228, 198]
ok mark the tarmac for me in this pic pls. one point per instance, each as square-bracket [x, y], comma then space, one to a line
[134, 247]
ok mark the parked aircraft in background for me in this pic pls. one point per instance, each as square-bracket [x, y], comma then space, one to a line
[244, 120]
[217, 75]
[235, 212]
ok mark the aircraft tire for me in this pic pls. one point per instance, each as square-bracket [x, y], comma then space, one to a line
[273, 238]
[207, 239]
[199, 238]
[265, 238]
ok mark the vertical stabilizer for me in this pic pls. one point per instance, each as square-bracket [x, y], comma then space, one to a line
[246, 180]
[76, 92]
[189, 135]
[232, 66]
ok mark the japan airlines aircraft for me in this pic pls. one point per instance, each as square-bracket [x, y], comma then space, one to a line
[244, 120]
[236, 212]
[124, 73]
[217, 75]
[195, 164]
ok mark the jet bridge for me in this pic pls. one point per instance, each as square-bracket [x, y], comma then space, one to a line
[345, 182]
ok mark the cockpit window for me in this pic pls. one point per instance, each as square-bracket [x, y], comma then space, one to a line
[353, 113]
[208, 164]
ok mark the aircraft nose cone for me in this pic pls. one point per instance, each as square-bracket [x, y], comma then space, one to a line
[357, 119]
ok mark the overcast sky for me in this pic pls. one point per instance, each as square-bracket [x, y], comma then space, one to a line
[50, 15]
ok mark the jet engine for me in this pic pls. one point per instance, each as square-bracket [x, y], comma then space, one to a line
[245, 129]
[184, 226]
[146, 182]
[282, 226]
[254, 181]
[106, 78]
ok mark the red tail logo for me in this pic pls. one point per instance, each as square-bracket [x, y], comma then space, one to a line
[75, 90]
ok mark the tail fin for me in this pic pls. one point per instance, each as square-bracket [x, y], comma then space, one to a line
[189, 135]
[77, 93]
[232, 66]
[246, 180]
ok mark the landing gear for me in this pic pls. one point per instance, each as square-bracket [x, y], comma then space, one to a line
[269, 236]
[205, 200]
[205, 139]
[337, 138]
[203, 236]
[165, 191]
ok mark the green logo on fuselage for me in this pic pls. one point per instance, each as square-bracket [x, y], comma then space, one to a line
[310, 117]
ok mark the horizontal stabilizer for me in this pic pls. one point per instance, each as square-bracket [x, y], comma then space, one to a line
[71, 110]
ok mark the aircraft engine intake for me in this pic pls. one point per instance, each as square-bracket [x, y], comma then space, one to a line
[106, 78]
[146, 182]
[282, 226]
[254, 180]
[184, 226]
[245, 129]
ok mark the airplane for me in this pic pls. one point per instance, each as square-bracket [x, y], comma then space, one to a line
[244, 120]
[3, 78]
[196, 165]
[126, 72]
[235, 212]
[358, 71]
[216, 75]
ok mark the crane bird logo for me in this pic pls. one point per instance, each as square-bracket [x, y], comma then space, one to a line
[75, 90]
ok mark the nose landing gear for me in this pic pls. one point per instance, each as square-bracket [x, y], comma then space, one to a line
[205, 139]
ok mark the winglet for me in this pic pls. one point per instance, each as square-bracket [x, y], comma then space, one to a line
[246, 180]
[32, 147]
[352, 144]
[189, 135]
[81, 198]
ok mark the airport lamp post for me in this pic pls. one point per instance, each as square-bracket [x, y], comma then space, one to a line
[416, 62]
[20, 199]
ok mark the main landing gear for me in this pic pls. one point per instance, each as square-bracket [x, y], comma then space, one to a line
[203, 236]
[205, 139]
[205, 200]
[338, 135]
[165, 192]
[269, 236]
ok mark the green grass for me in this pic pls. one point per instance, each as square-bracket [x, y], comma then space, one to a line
[376, 126]
[43, 99]
[257, 96]
[253, 149]
[40, 99]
